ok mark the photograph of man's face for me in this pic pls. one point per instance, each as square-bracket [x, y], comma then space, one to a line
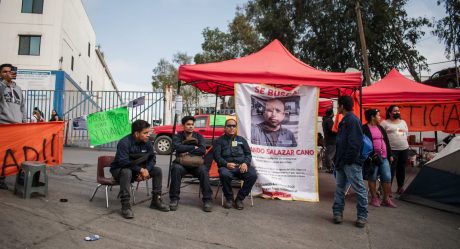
[274, 121]
[274, 112]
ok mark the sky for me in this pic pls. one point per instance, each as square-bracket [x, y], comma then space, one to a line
[134, 35]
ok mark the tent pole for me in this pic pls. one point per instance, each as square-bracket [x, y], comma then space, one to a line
[436, 141]
[215, 114]
[361, 103]
[173, 134]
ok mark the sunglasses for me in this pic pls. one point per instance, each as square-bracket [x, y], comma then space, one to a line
[230, 126]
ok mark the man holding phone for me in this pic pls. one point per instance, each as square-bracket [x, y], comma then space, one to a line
[12, 103]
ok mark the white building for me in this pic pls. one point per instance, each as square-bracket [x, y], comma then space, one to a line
[53, 45]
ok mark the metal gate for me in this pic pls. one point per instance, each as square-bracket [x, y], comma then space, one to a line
[73, 104]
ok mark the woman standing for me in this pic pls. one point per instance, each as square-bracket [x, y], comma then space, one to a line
[379, 158]
[397, 131]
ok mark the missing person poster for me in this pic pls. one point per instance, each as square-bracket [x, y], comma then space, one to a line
[280, 127]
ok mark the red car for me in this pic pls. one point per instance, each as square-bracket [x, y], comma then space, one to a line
[445, 78]
[162, 135]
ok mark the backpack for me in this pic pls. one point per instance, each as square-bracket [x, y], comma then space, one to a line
[367, 148]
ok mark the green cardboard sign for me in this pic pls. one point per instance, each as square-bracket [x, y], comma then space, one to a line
[108, 126]
[220, 120]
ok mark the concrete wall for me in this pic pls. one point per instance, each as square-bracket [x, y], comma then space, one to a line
[65, 31]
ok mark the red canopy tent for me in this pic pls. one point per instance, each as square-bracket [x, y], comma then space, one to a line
[394, 87]
[273, 65]
[425, 108]
[323, 106]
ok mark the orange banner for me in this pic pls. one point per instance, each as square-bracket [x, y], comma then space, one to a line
[426, 116]
[30, 142]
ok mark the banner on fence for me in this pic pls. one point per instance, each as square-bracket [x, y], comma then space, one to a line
[30, 142]
[108, 126]
[280, 127]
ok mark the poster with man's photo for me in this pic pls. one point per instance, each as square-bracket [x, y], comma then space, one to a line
[280, 127]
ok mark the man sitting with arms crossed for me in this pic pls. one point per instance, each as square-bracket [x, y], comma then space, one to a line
[135, 159]
[233, 158]
[192, 143]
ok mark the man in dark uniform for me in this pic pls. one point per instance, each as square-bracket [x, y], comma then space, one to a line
[135, 159]
[178, 171]
[233, 157]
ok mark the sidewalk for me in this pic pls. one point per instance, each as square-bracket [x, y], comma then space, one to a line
[45, 222]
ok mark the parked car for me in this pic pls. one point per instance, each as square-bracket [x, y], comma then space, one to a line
[444, 78]
[162, 135]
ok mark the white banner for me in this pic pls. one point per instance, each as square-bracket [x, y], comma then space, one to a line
[280, 127]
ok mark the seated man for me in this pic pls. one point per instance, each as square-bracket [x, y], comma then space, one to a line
[192, 143]
[233, 158]
[270, 132]
[135, 159]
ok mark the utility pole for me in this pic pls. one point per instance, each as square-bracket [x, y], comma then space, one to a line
[363, 44]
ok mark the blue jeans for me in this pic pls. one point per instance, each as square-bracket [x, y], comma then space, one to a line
[351, 174]
[383, 170]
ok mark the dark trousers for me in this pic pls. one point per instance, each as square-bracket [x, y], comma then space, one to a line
[330, 154]
[178, 171]
[125, 176]
[226, 177]
[398, 167]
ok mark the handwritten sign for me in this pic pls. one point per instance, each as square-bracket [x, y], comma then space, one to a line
[108, 126]
[41, 142]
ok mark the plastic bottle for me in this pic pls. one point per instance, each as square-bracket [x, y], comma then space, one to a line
[92, 237]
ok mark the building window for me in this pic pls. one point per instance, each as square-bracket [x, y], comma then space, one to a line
[87, 83]
[32, 6]
[29, 44]
[89, 49]
[71, 63]
[91, 86]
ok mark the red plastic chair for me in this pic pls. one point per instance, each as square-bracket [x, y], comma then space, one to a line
[102, 163]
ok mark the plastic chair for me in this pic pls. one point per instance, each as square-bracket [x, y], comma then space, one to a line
[102, 163]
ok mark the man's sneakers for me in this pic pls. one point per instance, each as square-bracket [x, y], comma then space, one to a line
[207, 206]
[228, 203]
[361, 222]
[338, 218]
[173, 204]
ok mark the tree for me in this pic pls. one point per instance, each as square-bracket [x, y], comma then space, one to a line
[165, 74]
[447, 29]
[324, 33]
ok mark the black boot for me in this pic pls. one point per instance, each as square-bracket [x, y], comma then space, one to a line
[157, 203]
[126, 211]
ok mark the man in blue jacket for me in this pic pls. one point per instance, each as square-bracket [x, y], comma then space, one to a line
[135, 160]
[349, 163]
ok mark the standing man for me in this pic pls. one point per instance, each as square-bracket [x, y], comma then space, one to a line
[348, 163]
[233, 157]
[329, 138]
[270, 132]
[135, 160]
[12, 104]
[188, 141]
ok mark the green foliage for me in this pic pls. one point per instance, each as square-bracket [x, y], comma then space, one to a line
[165, 75]
[323, 33]
[447, 29]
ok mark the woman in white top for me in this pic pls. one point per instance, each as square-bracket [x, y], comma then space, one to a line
[397, 131]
